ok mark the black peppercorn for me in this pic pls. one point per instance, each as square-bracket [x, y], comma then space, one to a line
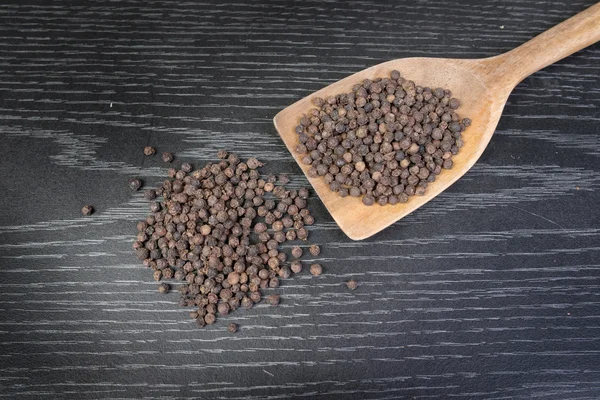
[314, 250]
[186, 167]
[274, 299]
[316, 269]
[210, 319]
[135, 184]
[204, 233]
[163, 288]
[150, 194]
[391, 130]
[297, 252]
[149, 150]
[87, 210]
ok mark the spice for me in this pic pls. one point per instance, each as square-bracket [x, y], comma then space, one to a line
[217, 231]
[163, 288]
[155, 207]
[167, 157]
[385, 140]
[274, 299]
[210, 319]
[296, 267]
[149, 150]
[316, 269]
[150, 194]
[297, 252]
[352, 284]
[314, 250]
[135, 184]
[232, 328]
[87, 210]
[186, 167]
[157, 275]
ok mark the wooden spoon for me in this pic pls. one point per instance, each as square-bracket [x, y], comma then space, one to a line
[482, 86]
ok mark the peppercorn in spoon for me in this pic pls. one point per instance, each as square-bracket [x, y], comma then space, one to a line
[483, 87]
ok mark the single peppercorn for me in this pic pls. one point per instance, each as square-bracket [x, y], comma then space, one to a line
[167, 157]
[296, 267]
[157, 275]
[316, 269]
[87, 210]
[150, 194]
[253, 163]
[149, 150]
[274, 299]
[315, 250]
[297, 251]
[223, 308]
[284, 272]
[164, 288]
[352, 284]
[368, 200]
[186, 167]
[303, 193]
[232, 328]
[210, 319]
[247, 302]
[135, 184]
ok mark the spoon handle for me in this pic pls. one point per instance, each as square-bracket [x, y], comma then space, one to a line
[556, 43]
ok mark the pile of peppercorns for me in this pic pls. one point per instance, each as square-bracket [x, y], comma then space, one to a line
[386, 140]
[218, 231]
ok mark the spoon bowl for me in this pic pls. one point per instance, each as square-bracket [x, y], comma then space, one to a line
[478, 103]
[481, 85]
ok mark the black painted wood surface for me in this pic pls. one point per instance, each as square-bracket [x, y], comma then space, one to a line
[491, 291]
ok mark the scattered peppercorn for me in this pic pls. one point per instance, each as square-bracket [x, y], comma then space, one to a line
[135, 184]
[149, 150]
[232, 328]
[163, 288]
[284, 179]
[274, 299]
[316, 269]
[155, 207]
[315, 250]
[87, 210]
[150, 194]
[167, 157]
[385, 140]
[186, 167]
[205, 233]
[297, 252]
[210, 319]
[296, 267]
[352, 284]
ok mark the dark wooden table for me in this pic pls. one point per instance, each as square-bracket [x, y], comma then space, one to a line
[491, 291]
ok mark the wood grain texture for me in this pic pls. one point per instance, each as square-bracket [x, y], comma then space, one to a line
[489, 291]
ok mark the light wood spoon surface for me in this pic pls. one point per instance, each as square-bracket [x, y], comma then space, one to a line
[482, 86]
